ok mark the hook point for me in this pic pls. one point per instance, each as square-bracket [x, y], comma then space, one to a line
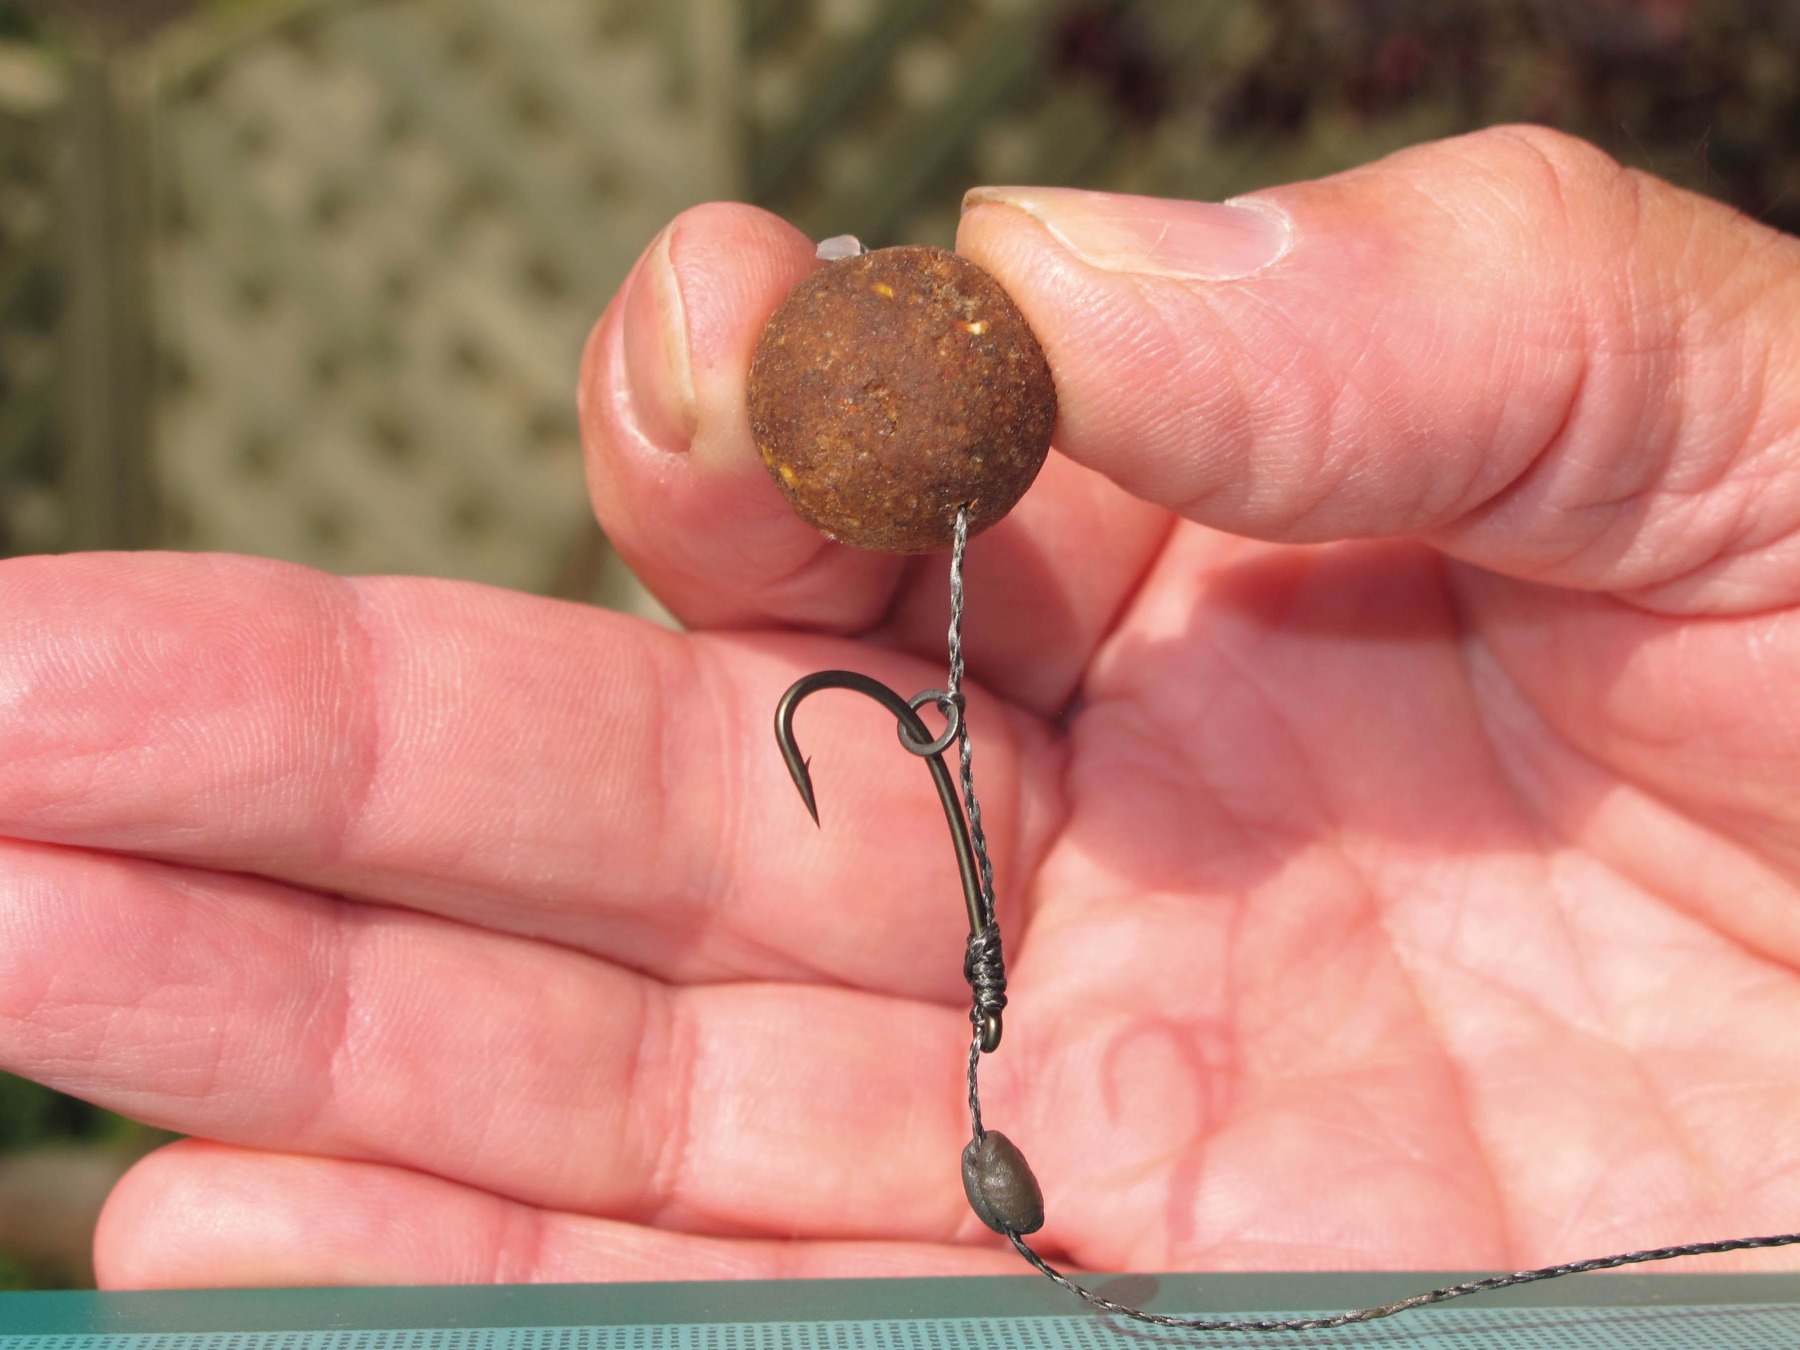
[803, 781]
[799, 768]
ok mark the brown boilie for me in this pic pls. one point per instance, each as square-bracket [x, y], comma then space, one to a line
[891, 388]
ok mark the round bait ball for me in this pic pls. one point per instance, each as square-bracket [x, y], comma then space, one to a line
[889, 389]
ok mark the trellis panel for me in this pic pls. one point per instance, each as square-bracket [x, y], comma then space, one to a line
[33, 93]
[383, 230]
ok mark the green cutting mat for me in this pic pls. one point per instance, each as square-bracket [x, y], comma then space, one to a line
[1642, 1312]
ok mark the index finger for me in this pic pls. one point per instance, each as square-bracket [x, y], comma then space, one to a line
[1505, 344]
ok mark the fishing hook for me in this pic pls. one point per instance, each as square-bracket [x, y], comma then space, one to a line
[917, 738]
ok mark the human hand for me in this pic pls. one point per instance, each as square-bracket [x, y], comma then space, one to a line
[1425, 899]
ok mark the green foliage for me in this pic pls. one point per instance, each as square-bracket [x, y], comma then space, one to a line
[31, 1114]
[17, 24]
[25, 1110]
[1705, 93]
[15, 1274]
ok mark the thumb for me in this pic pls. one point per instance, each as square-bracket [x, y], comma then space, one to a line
[1505, 344]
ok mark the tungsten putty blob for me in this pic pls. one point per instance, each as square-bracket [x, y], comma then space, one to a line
[893, 387]
[999, 1184]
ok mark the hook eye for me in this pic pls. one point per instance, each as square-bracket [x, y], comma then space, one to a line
[952, 710]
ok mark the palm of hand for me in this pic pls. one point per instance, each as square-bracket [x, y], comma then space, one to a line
[1345, 954]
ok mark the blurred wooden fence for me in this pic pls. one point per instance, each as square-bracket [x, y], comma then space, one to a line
[313, 281]
[379, 234]
[33, 444]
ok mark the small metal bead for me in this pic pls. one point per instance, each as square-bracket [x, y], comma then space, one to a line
[1000, 1187]
[990, 1032]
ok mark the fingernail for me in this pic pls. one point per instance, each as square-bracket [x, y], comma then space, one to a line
[1201, 241]
[657, 365]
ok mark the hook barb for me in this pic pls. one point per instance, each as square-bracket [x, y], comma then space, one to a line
[800, 770]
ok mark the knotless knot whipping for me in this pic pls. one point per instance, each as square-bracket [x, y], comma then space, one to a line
[984, 967]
